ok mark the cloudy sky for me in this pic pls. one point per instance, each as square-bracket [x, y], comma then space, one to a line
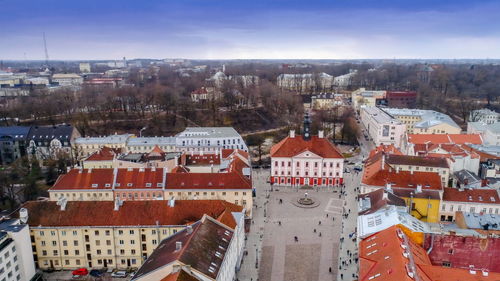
[258, 29]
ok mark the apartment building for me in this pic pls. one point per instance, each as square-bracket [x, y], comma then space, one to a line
[475, 201]
[362, 97]
[484, 115]
[218, 258]
[70, 79]
[209, 139]
[419, 121]
[489, 132]
[382, 128]
[114, 234]
[438, 165]
[16, 256]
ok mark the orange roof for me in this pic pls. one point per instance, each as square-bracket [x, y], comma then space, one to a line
[102, 213]
[144, 178]
[179, 276]
[289, 147]
[445, 138]
[486, 196]
[389, 255]
[382, 255]
[231, 180]
[156, 151]
[85, 179]
[404, 179]
[388, 149]
[104, 154]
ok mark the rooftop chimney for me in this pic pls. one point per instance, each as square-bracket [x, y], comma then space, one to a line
[321, 134]
[292, 134]
[118, 204]
[178, 246]
[419, 188]
[62, 201]
[388, 187]
[189, 229]
[171, 202]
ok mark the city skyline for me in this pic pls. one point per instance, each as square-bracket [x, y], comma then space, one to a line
[257, 30]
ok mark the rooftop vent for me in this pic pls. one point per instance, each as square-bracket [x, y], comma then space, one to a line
[178, 246]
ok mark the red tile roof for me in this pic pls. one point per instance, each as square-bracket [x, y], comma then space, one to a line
[203, 249]
[85, 179]
[404, 179]
[445, 138]
[231, 180]
[104, 154]
[144, 178]
[486, 196]
[416, 161]
[289, 147]
[388, 149]
[180, 276]
[131, 213]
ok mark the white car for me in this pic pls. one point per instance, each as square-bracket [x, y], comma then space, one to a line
[119, 274]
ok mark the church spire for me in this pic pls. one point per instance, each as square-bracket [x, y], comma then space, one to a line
[307, 127]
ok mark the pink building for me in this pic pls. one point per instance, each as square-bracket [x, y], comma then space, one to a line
[306, 160]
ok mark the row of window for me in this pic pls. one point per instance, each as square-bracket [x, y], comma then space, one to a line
[307, 174]
[142, 195]
[97, 232]
[315, 164]
[78, 262]
[471, 209]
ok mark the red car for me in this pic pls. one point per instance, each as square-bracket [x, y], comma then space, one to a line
[80, 272]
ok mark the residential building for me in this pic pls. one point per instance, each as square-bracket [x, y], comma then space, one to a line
[309, 82]
[345, 80]
[97, 234]
[391, 255]
[382, 128]
[363, 97]
[13, 143]
[379, 200]
[484, 115]
[401, 99]
[421, 190]
[470, 253]
[324, 101]
[84, 146]
[466, 179]
[147, 144]
[200, 95]
[70, 79]
[205, 250]
[85, 67]
[103, 83]
[228, 179]
[490, 169]
[48, 142]
[306, 160]
[16, 256]
[420, 163]
[489, 132]
[475, 201]
[419, 121]
[209, 139]
[455, 148]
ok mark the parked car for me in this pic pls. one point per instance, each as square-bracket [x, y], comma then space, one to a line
[119, 274]
[358, 168]
[97, 273]
[132, 274]
[80, 272]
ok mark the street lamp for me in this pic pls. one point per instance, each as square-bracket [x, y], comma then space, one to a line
[140, 131]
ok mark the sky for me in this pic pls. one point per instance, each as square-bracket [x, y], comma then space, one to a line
[256, 29]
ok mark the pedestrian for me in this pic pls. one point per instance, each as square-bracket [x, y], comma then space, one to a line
[319, 223]
[341, 276]
[279, 222]
[320, 234]
[327, 215]
[315, 230]
[330, 269]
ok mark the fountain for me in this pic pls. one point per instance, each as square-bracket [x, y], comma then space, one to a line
[305, 201]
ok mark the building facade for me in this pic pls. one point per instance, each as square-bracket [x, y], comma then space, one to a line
[382, 128]
[16, 255]
[419, 121]
[475, 201]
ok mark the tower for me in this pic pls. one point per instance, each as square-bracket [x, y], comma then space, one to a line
[46, 52]
[307, 127]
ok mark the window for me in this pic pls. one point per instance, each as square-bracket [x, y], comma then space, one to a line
[55, 252]
[65, 243]
[450, 251]
[74, 232]
[97, 242]
[131, 232]
[446, 264]
[132, 252]
[132, 242]
[44, 253]
[43, 243]
[110, 252]
[98, 252]
[66, 252]
[108, 242]
[122, 252]
[54, 243]
[77, 252]
[96, 233]
[108, 233]
[121, 242]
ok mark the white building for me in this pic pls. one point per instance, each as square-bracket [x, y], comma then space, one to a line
[37, 81]
[345, 80]
[70, 79]
[363, 97]
[16, 255]
[484, 115]
[146, 144]
[382, 127]
[209, 139]
[490, 132]
[84, 67]
[207, 250]
[305, 82]
[474, 201]
[420, 121]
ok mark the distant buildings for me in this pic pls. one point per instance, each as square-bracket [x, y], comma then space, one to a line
[401, 99]
[305, 82]
[484, 115]
[490, 132]
[393, 99]
[363, 97]
[306, 160]
[326, 101]
[382, 127]
[67, 79]
[43, 142]
[85, 67]
[343, 81]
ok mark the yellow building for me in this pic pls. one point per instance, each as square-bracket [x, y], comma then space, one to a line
[424, 206]
[97, 234]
